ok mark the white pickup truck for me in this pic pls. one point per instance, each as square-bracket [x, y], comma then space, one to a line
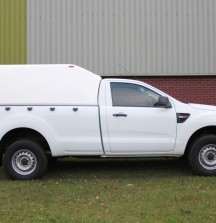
[65, 110]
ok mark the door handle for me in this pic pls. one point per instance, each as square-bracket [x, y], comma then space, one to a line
[120, 115]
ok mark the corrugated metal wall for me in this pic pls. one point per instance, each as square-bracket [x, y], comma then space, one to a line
[13, 36]
[144, 37]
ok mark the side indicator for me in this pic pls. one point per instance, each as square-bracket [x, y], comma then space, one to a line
[182, 117]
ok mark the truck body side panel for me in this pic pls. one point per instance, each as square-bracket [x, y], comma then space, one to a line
[69, 130]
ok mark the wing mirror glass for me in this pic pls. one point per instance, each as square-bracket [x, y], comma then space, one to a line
[164, 102]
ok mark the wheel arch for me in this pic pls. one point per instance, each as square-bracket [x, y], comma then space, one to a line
[21, 133]
[200, 132]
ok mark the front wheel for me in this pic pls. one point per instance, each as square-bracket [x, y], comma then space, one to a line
[25, 160]
[202, 155]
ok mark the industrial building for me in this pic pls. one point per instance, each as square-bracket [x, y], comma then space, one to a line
[168, 43]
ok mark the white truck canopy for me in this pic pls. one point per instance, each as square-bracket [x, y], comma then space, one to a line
[47, 85]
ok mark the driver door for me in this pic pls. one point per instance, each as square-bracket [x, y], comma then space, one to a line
[135, 125]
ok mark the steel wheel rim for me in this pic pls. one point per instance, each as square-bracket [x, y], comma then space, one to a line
[24, 162]
[207, 157]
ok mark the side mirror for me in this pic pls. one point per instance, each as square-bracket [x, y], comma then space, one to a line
[164, 102]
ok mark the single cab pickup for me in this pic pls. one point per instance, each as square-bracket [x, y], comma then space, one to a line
[65, 110]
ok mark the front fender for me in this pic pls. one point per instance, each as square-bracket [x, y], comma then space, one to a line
[194, 123]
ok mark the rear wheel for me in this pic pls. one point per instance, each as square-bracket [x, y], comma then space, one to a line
[25, 160]
[202, 155]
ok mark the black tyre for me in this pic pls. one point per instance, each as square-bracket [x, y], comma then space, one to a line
[1, 157]
[202, 155]
[25, 160]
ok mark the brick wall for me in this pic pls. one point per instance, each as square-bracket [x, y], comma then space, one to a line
[187, 89]
[194, 89]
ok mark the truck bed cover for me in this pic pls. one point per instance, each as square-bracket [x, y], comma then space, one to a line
[47, 85]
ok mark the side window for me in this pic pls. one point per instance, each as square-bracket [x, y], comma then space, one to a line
[132, 95]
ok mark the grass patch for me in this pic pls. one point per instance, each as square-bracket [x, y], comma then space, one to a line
[113, 190]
